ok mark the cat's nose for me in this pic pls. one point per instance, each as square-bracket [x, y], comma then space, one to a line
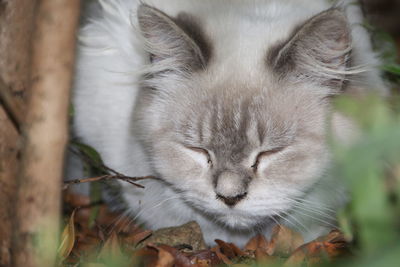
[231, 200]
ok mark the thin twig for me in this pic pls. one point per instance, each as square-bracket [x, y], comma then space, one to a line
[83, 156]
[108, 177]
[12, 106]
[110, 173]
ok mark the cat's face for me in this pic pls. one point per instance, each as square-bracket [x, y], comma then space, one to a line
[238, 149]
[240, 158]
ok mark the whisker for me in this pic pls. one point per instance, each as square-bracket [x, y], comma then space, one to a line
[116, 222]
[297, 221]
[317, 219]
[313, 209]
[310, 212]
[274, 219]
[311, 202]
[144, 209]
[287, 219]
[304, 210]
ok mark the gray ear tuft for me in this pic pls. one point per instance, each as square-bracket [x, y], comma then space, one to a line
[318, 51]
[169, 42]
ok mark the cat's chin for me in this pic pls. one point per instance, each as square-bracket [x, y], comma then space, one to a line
[232, 218]
[245, 222]
[240, 224]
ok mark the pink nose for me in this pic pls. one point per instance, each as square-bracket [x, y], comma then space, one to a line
[231, 200]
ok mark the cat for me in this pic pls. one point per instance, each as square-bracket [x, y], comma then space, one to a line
[228, 103]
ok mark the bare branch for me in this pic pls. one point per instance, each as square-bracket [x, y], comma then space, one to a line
[122, 177]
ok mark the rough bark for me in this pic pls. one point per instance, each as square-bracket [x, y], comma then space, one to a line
[8, 156]
[45, 134]
[16, 22]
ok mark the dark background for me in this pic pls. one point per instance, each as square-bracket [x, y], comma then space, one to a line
[385, 14]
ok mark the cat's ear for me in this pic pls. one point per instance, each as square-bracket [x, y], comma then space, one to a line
[177, 42]
[318, 51]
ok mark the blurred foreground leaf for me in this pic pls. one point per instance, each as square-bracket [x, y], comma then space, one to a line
[392, 68]
[67, 238]
[363, 167]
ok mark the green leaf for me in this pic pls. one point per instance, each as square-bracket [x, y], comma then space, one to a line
[95, 197]
[88, 151]
[392, 68]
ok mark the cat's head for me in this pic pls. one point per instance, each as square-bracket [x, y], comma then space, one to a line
[240, 140]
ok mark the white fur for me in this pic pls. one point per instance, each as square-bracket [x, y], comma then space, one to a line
[111, 57]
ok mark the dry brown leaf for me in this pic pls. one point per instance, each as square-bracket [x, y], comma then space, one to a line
[181, 260]
[335, 244]
[86, 245]
[165, 259]
[310, 252]
[316, 252]
[116, 222]
[67, 238]
[335, 250]
[252, 244]
[205, 258]
[82, 217]
[296, 259]
[75, 200]
[202, 263]
[165, 256]
[263, 257]
[135, 239]
[111, 248]
[327, 247]
[335, 236]
[221, 256]
[226, 248]
[284, 241]
[238, 252]
[146, 256]
[257, 242]
[100, 232]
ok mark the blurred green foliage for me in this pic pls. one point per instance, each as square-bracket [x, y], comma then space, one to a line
[385, 45]
[371, 170]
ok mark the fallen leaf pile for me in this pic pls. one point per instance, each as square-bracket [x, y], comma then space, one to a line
[114, 240]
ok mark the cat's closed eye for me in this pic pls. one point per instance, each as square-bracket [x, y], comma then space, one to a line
[201, 154]
[264, 154]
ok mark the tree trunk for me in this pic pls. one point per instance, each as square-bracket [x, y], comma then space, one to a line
[37, 40]
[45, 134]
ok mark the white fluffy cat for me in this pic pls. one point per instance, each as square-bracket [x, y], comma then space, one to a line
[227, 102]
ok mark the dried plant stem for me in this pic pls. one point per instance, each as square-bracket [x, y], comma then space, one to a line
[45, 134]
[124, 178]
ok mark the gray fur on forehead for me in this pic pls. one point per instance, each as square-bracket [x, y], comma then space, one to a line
[236, 121]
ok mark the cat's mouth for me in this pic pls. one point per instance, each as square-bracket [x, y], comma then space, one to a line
[237, 217]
